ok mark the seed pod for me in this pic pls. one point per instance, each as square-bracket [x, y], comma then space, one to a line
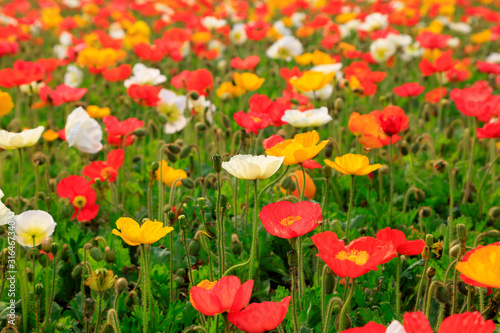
[292, 258]
[96, 253]
[185, 152]
[174, 149]
[121, 285]
[109, 255]
[431, 272]
[201, 203]
[194, 248]
[494, 212]
[217, 163]
[187, 183]
[89, 307]
[46, 243]
[140, 132]
[441, 294]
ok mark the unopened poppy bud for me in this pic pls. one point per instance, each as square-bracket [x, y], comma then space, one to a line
[431, 272]
[43, 260]
[461, 233]
[29, 274]
[64, 252]
[403, 148]
[174, 149]
[217, 163]
[439, 165]
[96, 253]
[226, 122]
[384, 170]
[194, 95]
[429, 240]
[449, 132]
[89, 307]
[223, 202]
[131, 298]
[77, 271]
[140, 132]
[427, 111]
[178, 279]
[286, 182]
[292, 187]
[121, 285]
[347, 321]
[54, 248]
[328, 151]
[236, 247]
[109, 255]
[200, 127]
[292, 258]
[181, 272]
[38, 289]
[46, 243]
[39, 158]
[419, 195]
[194, 248]
[425, 212]
[441, 294]
[338, 104]
[34, 254]
[455, 250]
[185, 151]
[171, 157]
[415, 148]
[493, 233]
[329, 282]
[187, 183]
[327, 172]
[162, 118]
[171, 216]
[463, 288]
[107, 329]
[60, 327]
[494, 212]
[155, 166]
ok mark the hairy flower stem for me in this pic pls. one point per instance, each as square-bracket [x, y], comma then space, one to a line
[467, 191]
[145, 278]
[99, 310]
[255, 234]
[171, 266]
[351, 203]
[483, 181]
[19, 180]
[220, 227]
[294, 302]
[450, 221]
[391, 181]
[345, 308]
[421, 286]
[398, 289]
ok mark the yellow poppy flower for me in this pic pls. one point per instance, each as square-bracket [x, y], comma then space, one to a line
[481, 266]
[98, 113]
[311, 80]
[6, 103]
[139, 32]
[50, 135]
[91, 57]
[301, 148]
[481, 37]
[227, 90]
[168, 174]
[322, 58]
[353, 164]
[133, 234]
[304, 59]
[201, 37]
[345, 17]
[248, 81]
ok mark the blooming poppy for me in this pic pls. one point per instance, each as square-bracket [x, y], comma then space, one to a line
[146, 94]
[488, 67]
[490, 130]
[119, 73]
[62, 94]
[416, 322]
[168, 174]
[402, 245]
[392, 119]
[22, 72]
[33, 226]
[257, 30]
[105, 170]
[353, 164]
[285, 219]
[469, 100]
[481, 266]
[371, 327]
[359, 257]
[252, 121]
[311, 81]
[248, 63]
[6, 103]
[252, 166]
[411, 89]
[117, 130]
[200, 81]
[430, 40]
[260, 317]
[134, 234]
[225, 295]
[442, 63]
[301, 148]
[248, 81]
[98, 60]
[436, 95]
[98, 113]
[81, 195]
[274, 109]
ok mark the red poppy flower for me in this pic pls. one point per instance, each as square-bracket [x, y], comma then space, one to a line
[257, 30]
[117, 130]
[286, 220]
[146, 94]
[392, 119]
[272, 141]
[226, 295]
[398, 239]
[411, 89]
[119, 73]
[62, 94]
[105, 170]
[359, 257]
[488, 67]
[81, 195]
[149, 52]
[274, 109]
[436, 95]
[443, 63]
[22, 72]
[8, 48]
[430, 40]
[469, 100]
[371, 327]
[416, 322]
[490, 130]
[252, 121]
[366, 77]
[260, 317]
[248, 63]
[311, 164]
[200, 81]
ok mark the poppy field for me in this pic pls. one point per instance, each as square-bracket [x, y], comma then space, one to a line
[250, 166]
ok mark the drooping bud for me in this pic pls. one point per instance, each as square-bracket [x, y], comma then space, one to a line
[494, 212]
[223, 203]
[442, 294]
[425, 212]
[493, 233]
[338, 104]
[174, 149]
[194, 248]
[236, 247]
[455, 250]
[109, 255]
[155, 166]
[200, 127]
[140, 132]
[39, 158]
[46, 243]
[292, 258]
[329, 281]
[121, 285]
[431, 272]
[439, 165]
[185, 152]
[162, 118]
[187, 183]
[77, 271]
[96, 253]
[217, 163]
[89, 307]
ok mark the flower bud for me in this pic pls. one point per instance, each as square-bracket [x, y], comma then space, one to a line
[200, 127]
[429, 240]
[193, 95]
[39, 158]
[187, 183]
[292, 258]
[329, 281]
[121, 285]
[38, 289]
[185, 152]
[347, 321]
[60, 327]
[77, 271]
[236, 247]
[455, 250]
[338, 104]
[174, 149]
[439, 165]
[96, 253]
[181, 272]
[223, 202]
[425, 212]
[415, 148]
[89, 307]
[384, 170]
[461, 233]
[441, 294]
[419, 195]
[131, 298]
[46, 243]
[107, 329]
[43, 260]
[109, 255]
[155, 166]
[286, 182]
[194, 248]
[162, 118]
[463, 288]
[182, 221]
[217, 163]
[171, 157]
[178, 279]
[140, 132]
[327, 172]
[328, 151]
[431, 272]
[493, 233]
[494, 212]
[64, 252]
[171, 216]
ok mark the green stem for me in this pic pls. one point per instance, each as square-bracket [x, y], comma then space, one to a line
[99, 310]
[300, 266]
[483, 181]
[171, 265]
[345, 308]
[303, 182]
[255, 234]
[294, 303]
[351, 203]
[329, 312]
[429, 298]
[398, 289]
[19, 180]
[450, 222]
[391, 181]
[145, 277]
[471, 165]
[420, 286]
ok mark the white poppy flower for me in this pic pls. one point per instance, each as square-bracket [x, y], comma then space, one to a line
[6, 215]
[374, 21]
[238, 35]
[382, 49]
[144, 75]
[253, 166]
[27, 138]
[83, 132]
[285, 48]
[202, 107]
[33, 226]
[395, 327]
[172, 106]
[309, 118]
[211, 22]
[321, 94]
[73, 76]
[461, 27]
[494, 58]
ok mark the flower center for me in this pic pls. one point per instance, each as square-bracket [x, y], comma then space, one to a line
[357, 257]
[256, 120]
[283, 53]
[288, 221]
[106, 173]
[79, 201]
